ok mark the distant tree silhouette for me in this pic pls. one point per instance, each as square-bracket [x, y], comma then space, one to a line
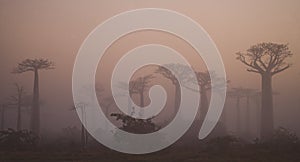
[84, 134]
[132, 90]
[249, 93]
[236, 92]
[137, 86]
[240, 93]
[182, 72]
[3, 108]
[34, 65]
[142, 84]
[204, 80]
[17, 100]
[266, 59]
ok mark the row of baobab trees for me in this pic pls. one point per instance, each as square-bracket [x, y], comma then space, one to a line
[265, 59]
[22, 100]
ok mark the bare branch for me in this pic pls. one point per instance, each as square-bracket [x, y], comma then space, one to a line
[33, 64]
[252, 70]
[280, 70]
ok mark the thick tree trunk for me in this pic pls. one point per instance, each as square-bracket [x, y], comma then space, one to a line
[258, 112]
[177, 99]
[267, 107]
[248, 115]
[19, 114]
[35, 112]
[2, 117]
[238, 116]
[129, 106]
[141, 114]
[203, 103]
[83, 131]
[82, 137]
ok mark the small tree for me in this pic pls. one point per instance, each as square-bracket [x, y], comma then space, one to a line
[34, 65]
[266, 59]
[17, 100]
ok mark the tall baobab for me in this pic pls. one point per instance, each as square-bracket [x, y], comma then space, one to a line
[137, 86]
[17, 100]
[141, 84]
[132, 90]
[3, 107]
[84, 134]
[181, 71]
[204, 82]
[34, 65]
[236, 92]
[266, 59]
[249, 93]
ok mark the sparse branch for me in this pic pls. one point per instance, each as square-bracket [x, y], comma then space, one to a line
[252, 70]
[33, 64]
[266, 58]
[280, 70]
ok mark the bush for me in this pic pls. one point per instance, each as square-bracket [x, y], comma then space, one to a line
[11, 139]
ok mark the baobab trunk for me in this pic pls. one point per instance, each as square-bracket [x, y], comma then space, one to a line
[177, 99]
[267, 107]
[203, 103]
[2, 117]
[248, 115]
[258, 112]
[238, 116]
[82, 136]
[35, 112]
[141, 114]
[19, 114]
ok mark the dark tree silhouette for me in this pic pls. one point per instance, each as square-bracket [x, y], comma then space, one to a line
[240, 93]
[34, 65]
[132, 90]
[181, 71]
[17, 100]
[236, 92]
[142, 84]
[204, 82]
[138, 86]
[266, 59]
[84, 134]
[249, 93]
[3, 108]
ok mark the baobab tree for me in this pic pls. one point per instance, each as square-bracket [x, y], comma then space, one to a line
[249, 93]
[34, 65]
[132, 90]
[204, 82]
[182, 72]
[17, 100]
[84, 134]
[240, 93]
[3, 108]
[236, 92]
[266, 59]
[140, 85]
